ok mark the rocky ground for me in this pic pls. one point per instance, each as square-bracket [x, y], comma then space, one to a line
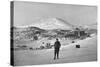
[68, 53]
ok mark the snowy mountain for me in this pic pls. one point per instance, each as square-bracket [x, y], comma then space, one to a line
[47, 27]
[52, 23]
[91, 26]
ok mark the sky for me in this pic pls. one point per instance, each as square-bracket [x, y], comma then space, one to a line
[25, 13]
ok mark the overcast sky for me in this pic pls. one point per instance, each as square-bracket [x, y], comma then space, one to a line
[26, 12]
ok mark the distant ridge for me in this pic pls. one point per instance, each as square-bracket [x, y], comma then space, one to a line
[50, 23]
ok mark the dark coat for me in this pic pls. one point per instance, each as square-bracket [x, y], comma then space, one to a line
[57, 45]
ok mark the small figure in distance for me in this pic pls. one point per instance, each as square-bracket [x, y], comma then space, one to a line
[57, 46]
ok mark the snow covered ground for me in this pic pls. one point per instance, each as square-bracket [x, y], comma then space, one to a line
[68, 53]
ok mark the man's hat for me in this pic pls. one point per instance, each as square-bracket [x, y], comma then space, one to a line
[56, 38]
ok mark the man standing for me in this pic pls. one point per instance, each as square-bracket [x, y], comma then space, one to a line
[56, 49]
